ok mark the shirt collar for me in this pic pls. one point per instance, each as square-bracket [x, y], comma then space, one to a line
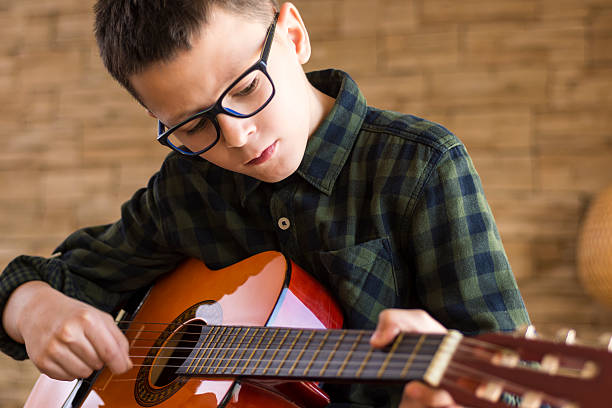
[329, 146]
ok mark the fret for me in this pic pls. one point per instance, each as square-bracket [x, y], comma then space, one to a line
[376, 360]
[276, 351]
[244, 350]
[248, 361]
[201, 349]
[209, 349]
[236, 348]
[350, 353]
[213, 349]
[316, 354]
[266, 348]
[299, 357]
[227, 337]
[299, 333]
[415, 351]
[396, 343]
[331, 355]
[364, 362]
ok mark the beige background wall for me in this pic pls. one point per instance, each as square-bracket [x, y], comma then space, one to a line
[526, 84]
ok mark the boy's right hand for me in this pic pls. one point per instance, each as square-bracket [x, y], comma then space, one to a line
[65, 338]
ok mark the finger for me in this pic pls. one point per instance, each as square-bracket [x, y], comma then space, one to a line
[427, 396]
[107, 347]
[387, 329]
[121, 340]
[73, 338]
[416, 320]
[58, 361]
[72, 365]
[392, 321]
[55, 371]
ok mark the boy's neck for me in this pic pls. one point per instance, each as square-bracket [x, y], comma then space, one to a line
[320, 106]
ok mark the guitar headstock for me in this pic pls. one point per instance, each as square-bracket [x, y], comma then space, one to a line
[540, 372]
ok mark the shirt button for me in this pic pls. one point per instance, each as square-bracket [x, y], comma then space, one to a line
[283, 223]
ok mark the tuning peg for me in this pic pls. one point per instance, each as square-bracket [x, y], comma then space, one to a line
[527, 331]
[506, 358]
[490, 391]
[606, 340]
[550, 364]
[531, 400]
[568, 336]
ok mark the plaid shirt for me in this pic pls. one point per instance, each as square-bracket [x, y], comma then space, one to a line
[385, 209]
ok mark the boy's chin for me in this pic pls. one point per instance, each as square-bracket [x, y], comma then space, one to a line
[277, 176]
[274, 178]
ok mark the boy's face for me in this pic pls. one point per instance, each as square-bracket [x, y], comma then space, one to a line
[268, 146]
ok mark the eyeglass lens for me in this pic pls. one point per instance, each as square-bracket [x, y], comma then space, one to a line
[246, 97]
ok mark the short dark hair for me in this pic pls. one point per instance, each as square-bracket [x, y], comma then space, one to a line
[133, 34]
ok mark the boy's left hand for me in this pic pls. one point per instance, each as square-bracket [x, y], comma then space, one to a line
[390, 323]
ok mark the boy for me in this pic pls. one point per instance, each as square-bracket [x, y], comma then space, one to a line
[384, 209]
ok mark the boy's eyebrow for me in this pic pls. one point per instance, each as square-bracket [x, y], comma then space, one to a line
[178, 119]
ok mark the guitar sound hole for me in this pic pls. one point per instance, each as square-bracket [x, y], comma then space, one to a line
[174, 352]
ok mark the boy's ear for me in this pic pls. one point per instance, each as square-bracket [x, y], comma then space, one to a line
[290, 22]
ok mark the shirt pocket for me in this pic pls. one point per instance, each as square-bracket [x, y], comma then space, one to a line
[363, 281]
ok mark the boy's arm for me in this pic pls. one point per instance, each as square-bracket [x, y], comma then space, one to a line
[100, 266]
[463, 278]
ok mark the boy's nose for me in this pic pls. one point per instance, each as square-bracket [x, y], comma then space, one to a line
[235, 131]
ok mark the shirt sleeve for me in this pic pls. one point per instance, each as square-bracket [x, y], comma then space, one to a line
[101, 265]
[463, 276]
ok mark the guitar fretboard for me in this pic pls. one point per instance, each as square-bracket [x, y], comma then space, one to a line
[320, 355]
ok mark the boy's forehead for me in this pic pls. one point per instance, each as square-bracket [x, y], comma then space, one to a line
[227, 45]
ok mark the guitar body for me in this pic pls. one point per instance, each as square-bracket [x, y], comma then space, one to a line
[264, 290]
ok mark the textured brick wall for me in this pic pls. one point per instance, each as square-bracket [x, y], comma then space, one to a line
[526, 84]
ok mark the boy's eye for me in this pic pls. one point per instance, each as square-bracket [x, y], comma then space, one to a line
[201, 124]
[247, 90]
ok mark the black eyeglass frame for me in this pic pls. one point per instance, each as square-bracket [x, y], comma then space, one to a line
[211, 112]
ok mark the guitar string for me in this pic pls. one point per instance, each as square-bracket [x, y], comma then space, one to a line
[329, 346]
[249, 338]
[355, 354]
[476, 342]
[423, 358]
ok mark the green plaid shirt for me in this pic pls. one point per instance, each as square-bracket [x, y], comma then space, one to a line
[386, 210]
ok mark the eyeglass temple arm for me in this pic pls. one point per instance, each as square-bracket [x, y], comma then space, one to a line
[266, 50]
[161, 128]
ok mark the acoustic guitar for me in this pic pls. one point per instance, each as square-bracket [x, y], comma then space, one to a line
[264, 333]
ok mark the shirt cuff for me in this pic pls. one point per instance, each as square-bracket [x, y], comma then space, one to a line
[13, 276]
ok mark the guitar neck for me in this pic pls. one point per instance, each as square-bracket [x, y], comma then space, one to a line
[318, 355]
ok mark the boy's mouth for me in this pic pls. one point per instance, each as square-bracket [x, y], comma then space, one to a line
[264, 156]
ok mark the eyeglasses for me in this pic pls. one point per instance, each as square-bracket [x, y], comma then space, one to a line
[245, 97]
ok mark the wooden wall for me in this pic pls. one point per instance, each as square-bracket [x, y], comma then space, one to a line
[526, 84]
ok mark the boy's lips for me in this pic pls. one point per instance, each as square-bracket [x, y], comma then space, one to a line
[264, 156]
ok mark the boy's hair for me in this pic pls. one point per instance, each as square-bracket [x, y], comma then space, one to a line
[133, 34]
